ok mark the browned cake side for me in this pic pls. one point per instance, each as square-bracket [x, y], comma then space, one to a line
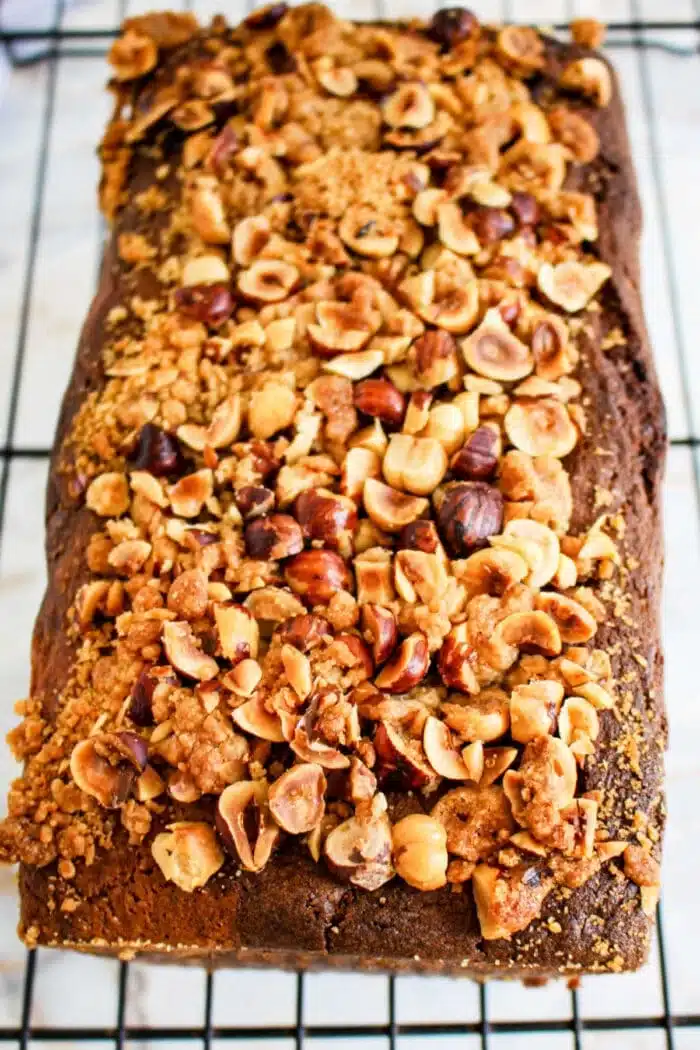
[565, 885]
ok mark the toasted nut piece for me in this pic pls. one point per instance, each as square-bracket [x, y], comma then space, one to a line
[184, 653]
[450, 26]
[572, 284]
[533, 167]
[356, 365]
[143, 690]
[528, 630]
[239, 635]
[187, 596]
[550, 340]
[418, 411]
[107, 765]
[368, 233]
[434, 358]
[252, 717]
[454, 307]
[456, 661]
[401, 757]
[496, 761]
[473, 758]
[148, 786]
[373, 572]
[426, 204]
[326, 517]
[477, 820]
[493, 351]
[379, 628]
[587, 32]
[221, 432]
[207, 211]
[340, 82]
[254, 501]
[453, 230]
[212, 304]
[411, 106]
[575, 624]
[108, 495]
[478, 458]
[297, 669]
[317, 575]
[534, 709]
[132, 55]
[359, 851]
[129, 556]
[578, 722]
[441, 752]
[640, 866]
[542, 427]
[574, 132]
[359, 465]
[536, 543]
[521, 47]
[372, 438]
[417, 465]
[205, 269]
[490, 571]
[544, 784]
[589, 76]
[273, 537]
[268, 280]
[244, 678]
[304, 632]
[408, 667]
[189, 493]
[187, 854]
[271, 409]
[242, 808]
[446, 425]
[420, 852]
[468, 513]
[296, 799]
[380, 399]
[156, 451]
[389, 509]
[274, 604]
[249, 238]
[483, 717]
[316, 750]
[508, 900]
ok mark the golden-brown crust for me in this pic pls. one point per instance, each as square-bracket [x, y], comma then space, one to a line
[294, 912]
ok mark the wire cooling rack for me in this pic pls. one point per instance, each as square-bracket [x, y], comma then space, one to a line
[50, 999]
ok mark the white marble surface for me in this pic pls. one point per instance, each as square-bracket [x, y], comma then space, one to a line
[64, 271]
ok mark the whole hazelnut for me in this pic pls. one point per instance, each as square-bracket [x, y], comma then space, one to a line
[273, 537]
[317, 575]
[469, 512]
[304, 632]
[325, 516]
[451, 25]
[380, 399]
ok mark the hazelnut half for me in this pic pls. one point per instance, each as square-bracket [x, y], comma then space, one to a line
[408, 667]
[359, 851]
[415, 464]
[380, 630]
[327, 517]
[493, 351]
[253, 717]
[541, 427]
[187, 854]
[184, 653]
[530, 630]
[420, 852]
[296, 799]
[390, 509]
[477, 820]
[238, 632]
[244, 823]
[380, 399]
[401, 757]
[107, 765]
[441, 752]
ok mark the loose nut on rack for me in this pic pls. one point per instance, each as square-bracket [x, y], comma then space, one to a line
[239, 635]
[108, 495]
[184, 653]
[589, 77]
[380, 399]
[273, 537]
[575, 624]
[380, 630]
[356, 365]
[572, 284]
[417, 465]
[156, 451]
[390, 509]
[325, 516]
[317, 575]
[468, 513]
[268, 280]
[534, 709]
[244, 823]
[477, 820]
[106, 766]
[411, 106]
[455, 661]
[420, 852]
[367, 233]
[478, 458]
[296, 799]
[271, 409]
[490, 571]
[132, 55]
[541, 427]
[530, 630]
[484, 717]
[493, 351]
[187, 854]
[441, 752]
[408, 667]
[249, 238]
[188, 596]
[574, 132]
[536, 543]
[359, 465]
[359, 852]
[401, 757]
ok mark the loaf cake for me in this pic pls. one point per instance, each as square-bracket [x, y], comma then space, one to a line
[349, 654]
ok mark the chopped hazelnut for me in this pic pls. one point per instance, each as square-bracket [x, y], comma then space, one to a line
[108, 495]
[187, 854]
[296, 799]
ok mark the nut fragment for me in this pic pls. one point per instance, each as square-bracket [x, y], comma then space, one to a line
[184, 654]
[273, 537]
[420, 852]
[380, 630]
[268, 280]
[401, 757]
[491, 571]
[108, 495]
[484, 717]
[477, 820]
[107, 765]
[317, 575]
[574, 132]
[296, 799]
[243, 820]
[187, 596]
[359, 851]
[589, 76]
[521, 47]
[534, 709]
[575, 624]
[340, 81]
[572, 284]
[156, 451]
[417, 465]
[359, 465]
[380, 399]
[450, 26]
[411, 106]
[367, 233]
[187, 854]
[478, 458]
[441, 752]
[238, 632]
[271, 409]
[468, 514]
[530, 630]
[254, 501]
[541, 427]
[253, 718]
[408, 667]
[493, 351]
[390, 509]
[250, 236]
[456, 661]
[434, 358]
[326, 517]
[132, 55]
[507, 900]
[537, 544]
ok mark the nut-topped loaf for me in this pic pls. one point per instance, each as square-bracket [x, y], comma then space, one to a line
[350, 650]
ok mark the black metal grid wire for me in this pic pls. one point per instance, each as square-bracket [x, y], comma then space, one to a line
[59, 43]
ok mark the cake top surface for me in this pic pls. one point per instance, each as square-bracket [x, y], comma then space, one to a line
[332, 588]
